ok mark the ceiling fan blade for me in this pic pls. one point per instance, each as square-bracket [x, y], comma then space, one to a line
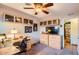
[48, 5]
[27, 3]
[38, 3]
[46, 12]
[28, 8]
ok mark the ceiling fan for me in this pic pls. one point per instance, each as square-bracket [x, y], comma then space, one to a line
[39, 7]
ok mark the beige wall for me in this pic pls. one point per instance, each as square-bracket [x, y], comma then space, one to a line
[74, 31]
[5, 27]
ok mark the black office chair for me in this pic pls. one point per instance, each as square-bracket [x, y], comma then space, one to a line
[22, 46]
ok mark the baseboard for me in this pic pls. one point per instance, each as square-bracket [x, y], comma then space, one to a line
[74, 44]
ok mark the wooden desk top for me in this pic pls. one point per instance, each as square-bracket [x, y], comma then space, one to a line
[9, 50]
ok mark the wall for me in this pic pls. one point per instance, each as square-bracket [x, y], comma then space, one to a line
[74, 31]
[78, 37]
[5, 27]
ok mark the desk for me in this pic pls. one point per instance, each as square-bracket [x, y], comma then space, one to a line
[9, 50]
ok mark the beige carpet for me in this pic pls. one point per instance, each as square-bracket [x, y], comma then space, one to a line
[48, 51]
[40, 49]
[52, 51]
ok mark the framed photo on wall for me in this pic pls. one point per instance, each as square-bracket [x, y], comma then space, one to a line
[56, 21]
[28, 29]
[9, 18]
[45, 22]
[18, 19]
[26, 21]
[31, 21]
[41, 23]
[49, 22]
[35, 27]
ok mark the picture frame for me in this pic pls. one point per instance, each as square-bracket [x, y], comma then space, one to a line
[28, 29]
[41, 23]
[45, 22]
[18, 19]
[49, 22]
[35, 27]
[9, 18]
[31, 21]
[26, 21]
[56, 21]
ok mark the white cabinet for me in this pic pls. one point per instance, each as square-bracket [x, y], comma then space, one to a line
[44, 39]
[53, 41]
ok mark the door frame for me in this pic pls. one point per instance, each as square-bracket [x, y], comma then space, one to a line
[64, 32]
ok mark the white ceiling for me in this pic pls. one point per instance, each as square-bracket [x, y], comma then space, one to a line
[58, 10]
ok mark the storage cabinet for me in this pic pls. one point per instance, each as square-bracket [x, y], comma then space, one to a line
[44, 39]
[53, 41]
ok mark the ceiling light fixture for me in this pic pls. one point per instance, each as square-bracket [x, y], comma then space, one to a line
[40, 7]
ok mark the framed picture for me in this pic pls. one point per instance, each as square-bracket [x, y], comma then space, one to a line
[28, 29]
[31, 21]
[9, 18]
[56, 21]
[49, 22]
[45, 23]
[18, 19]
[41, 23]
[26, 21]
[35, 27]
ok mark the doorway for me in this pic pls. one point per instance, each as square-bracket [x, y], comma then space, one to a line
[67, 33]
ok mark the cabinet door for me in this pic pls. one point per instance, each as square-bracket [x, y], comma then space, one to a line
[44, 39]
[57, 44]
[51, 41]
[55, 41]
